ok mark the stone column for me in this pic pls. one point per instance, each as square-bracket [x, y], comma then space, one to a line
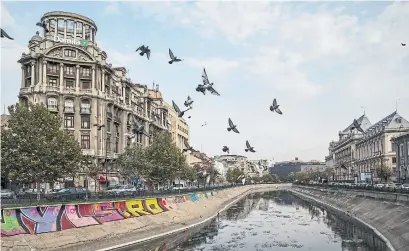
[65, 28]
[77, 78]
[33, 74]
[23, 76]
[44, 72]
[75, 29]
[93, 87]
[103, 80]
[61, 77]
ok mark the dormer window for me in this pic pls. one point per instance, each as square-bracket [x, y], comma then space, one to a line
[69, 53]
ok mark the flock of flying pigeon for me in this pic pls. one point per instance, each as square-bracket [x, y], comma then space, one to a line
[205, 86]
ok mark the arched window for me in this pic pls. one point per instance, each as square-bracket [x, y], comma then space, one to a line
[52, 103]
[69, 105]
[85, 106]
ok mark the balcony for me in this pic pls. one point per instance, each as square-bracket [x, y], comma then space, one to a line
[85, 91]
[52, 89]
[25, 90]
[85, 110]
[69, 90]
[69, 109]
[88, 152]
[53, 108]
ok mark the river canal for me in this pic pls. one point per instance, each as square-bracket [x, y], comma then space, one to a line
[270, 221]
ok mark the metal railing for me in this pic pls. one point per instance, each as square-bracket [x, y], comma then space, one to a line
[33, 199]
[360, 187]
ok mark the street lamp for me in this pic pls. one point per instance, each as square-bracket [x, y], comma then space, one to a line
[99, 128]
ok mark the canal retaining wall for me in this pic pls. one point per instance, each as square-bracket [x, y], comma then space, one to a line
[99, 225]
[385, 215]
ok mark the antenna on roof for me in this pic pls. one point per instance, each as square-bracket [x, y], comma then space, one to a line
[363, 108]
[397, 101]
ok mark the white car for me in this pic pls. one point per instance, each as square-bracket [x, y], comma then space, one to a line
[122, 190]
[405, 186]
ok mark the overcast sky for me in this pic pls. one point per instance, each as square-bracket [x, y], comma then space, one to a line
[322, 61]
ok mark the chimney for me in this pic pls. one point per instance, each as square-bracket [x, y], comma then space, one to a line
[296, 158]
[157, 87]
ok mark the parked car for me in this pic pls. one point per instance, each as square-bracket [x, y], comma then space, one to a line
[405, 186]
[7, 194]
[379, 185]
[70, 193]
[123, 190]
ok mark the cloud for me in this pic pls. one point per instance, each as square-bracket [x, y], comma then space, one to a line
[112, 8]
[214, 66]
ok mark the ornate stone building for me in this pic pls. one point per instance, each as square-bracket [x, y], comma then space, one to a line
[342, 152]
[376, 147]
[67, 71]
[402, 156]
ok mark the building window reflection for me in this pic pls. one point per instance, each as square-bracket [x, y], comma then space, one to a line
[61, 27]
[79, 30]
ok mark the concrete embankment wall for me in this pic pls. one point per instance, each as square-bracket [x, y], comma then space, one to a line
[104, 224]
[387, 215]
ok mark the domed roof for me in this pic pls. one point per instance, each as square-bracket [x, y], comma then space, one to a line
[36, 37]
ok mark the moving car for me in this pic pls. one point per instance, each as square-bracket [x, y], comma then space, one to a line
[7, 194]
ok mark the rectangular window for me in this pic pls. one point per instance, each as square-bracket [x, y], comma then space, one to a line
[87, 32]
[27, 82]
[401, 150]
[117, 145]
[79, 30]
[85, 71]
[108, 143]
[86, 85]
[53, 82]
[69, 121]
[393, 160]
[70, 28]
[69, 70]
[69, 83]
[52, 68]
[108, 126]
[85, 142]
[61, 27]
[85, 122]
[69, 53]
[27, 71]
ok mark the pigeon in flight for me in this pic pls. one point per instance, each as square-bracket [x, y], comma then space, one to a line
[99, 127]
[188, 147]
[206, 86]
[4, 34]
[178, 111]
[403, 44]
[274, 107]
[357, 126]
[189, 117]
[42, 25]
[144, 50]
[249, 147]
[173, 58]
[139, 128]
[188, 102]
[232, 127]
[226, 149]
[205, 124]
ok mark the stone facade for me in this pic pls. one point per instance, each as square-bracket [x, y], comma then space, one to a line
[402, 156]
[67, 71]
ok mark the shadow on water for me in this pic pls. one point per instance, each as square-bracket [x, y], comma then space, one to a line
[274, 220]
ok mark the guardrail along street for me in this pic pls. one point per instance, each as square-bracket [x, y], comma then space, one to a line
[360, 187]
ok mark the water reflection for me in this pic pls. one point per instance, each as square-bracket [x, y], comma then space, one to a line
[272, 221]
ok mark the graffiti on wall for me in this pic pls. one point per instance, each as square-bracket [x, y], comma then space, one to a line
[45, 219]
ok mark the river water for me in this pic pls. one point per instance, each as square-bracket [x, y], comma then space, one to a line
[271, 221]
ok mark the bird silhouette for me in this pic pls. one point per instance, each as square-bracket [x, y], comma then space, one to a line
[99, 127]
[206, 86]
[232, 127]
[188, 147]
[189, 117]
[249, 147]
[356, 125]
[188, 102]
[173, 58]
[274, 107]
[139, 128]
[4, 34]
[205, 124]
[144, 50]
[178, 111]
[42, 25]
[403, 44]
[226, 149]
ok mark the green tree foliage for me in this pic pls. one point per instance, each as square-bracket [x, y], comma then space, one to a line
[233, 175]
[188, 173]
[133, 162]
[268, 178]
[35, 149]
[164, 159]
[383, 171]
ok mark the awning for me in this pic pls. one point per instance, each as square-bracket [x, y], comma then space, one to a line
[102, 178]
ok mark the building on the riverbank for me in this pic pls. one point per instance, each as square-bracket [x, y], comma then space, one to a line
[284, 168]
[376, 149]
[402, 156]
[342, 152]
[178, 127]
[67, 71]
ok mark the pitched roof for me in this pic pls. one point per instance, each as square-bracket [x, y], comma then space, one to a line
[363, 121]
[392, 121]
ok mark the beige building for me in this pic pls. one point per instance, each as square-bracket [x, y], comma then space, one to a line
[67, 71]
[376, 146]
[343, 151]
[178, 127]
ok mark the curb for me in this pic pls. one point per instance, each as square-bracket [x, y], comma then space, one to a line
[379, 234]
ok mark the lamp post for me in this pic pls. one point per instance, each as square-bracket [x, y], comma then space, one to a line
[99, 128]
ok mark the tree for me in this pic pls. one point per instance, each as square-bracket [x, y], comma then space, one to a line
[35, 149]
[383, 171]
[90, 168]
[164, 159]
[188, 173]
[233, 175]
[268, 178]
[214, 174]
[133, 162]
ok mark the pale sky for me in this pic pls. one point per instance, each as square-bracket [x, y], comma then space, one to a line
[322, 61]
